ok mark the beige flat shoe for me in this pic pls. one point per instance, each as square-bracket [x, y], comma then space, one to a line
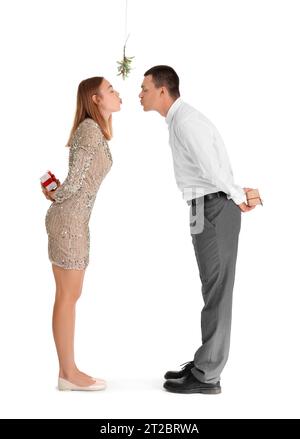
[99, 380]
[67, 385]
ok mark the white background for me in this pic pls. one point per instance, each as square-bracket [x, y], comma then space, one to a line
[139, 314]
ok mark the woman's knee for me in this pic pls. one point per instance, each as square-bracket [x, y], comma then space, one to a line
[67, 295]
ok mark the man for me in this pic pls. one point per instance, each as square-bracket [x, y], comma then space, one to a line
[203, 173]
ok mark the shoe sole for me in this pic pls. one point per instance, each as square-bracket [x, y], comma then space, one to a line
[81, 390]
[78, 389]
[167, 377]
[204, 391]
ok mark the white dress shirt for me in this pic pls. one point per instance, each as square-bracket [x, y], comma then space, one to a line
[201, 163]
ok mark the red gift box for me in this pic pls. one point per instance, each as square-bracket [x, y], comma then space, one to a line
[49, 181]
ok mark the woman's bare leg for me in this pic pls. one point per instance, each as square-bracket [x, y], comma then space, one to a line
[68, 290]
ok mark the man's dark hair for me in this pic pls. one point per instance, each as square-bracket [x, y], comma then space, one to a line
[165, 76]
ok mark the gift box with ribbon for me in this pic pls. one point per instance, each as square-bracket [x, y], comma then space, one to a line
[49, 181]
[253, 197]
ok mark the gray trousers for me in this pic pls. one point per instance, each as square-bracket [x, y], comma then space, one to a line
[216, 252]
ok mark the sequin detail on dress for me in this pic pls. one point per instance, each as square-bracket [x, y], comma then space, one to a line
[67, 219]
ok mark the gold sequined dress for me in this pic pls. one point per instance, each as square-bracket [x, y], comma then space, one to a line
[68, 216]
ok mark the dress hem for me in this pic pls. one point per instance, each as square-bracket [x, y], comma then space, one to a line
[67, 268]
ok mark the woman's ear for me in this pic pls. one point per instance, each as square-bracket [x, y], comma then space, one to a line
[94, 98]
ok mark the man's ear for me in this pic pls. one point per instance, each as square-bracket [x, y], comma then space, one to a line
[163, 90]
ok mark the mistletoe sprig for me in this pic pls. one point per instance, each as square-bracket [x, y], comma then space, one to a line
[125, 67]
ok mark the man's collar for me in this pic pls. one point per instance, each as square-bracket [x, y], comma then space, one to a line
[172, 110]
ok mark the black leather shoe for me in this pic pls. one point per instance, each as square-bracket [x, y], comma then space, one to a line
[189, 384]
[181, 373]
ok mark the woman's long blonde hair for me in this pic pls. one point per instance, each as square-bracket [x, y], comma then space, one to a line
[86, 107]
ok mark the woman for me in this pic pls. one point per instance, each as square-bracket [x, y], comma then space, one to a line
[68, 216]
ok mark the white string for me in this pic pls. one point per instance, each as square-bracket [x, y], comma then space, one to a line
[126, 21]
